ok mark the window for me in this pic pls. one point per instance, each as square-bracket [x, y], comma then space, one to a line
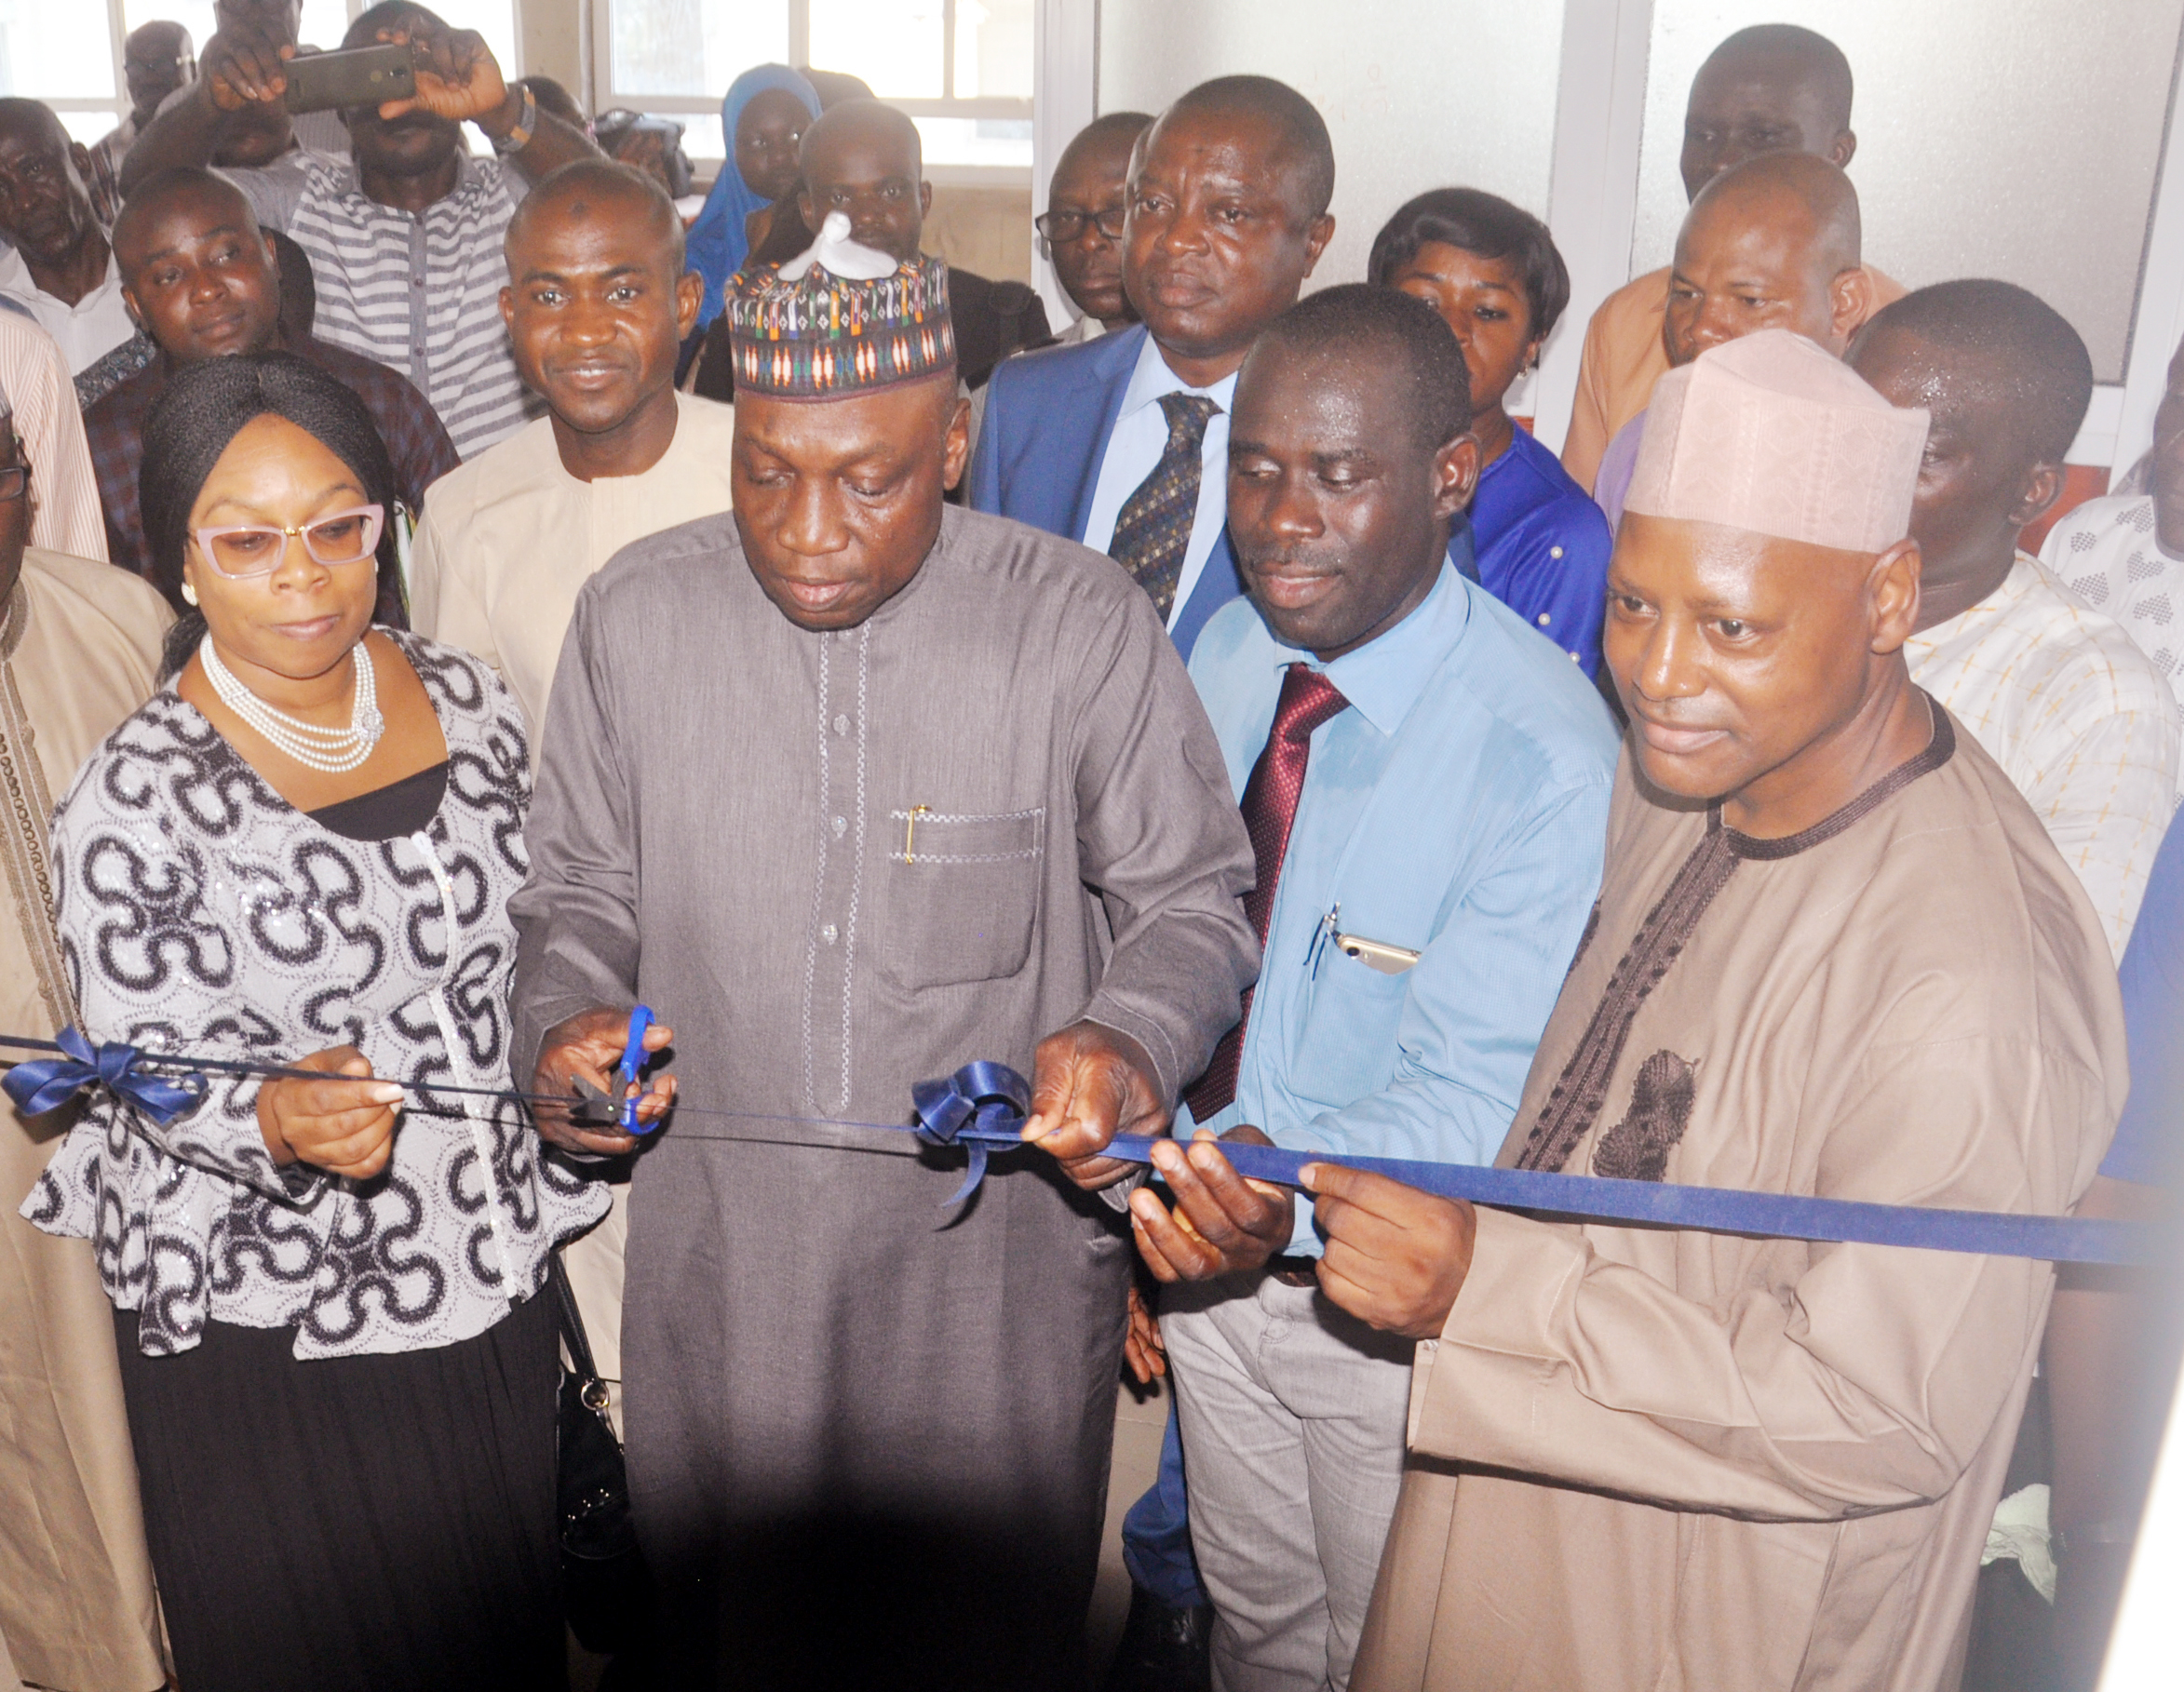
[961, 68]
[68, 52]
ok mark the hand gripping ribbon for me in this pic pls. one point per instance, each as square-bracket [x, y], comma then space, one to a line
[983, 1107]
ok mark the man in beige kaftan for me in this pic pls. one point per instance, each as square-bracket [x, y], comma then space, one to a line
[79, 650]
[1835, 954]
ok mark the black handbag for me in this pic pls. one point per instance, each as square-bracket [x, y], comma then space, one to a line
[606, 1592]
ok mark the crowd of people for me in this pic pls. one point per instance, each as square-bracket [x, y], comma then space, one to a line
[451, 601]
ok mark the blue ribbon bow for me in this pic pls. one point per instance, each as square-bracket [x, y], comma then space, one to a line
[47, 1083]
[985, 1103]
[982, 1105]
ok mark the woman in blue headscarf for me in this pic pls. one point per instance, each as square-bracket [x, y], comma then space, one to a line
[762, 118]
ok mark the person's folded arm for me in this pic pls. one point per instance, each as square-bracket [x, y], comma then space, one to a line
[1841, 1379]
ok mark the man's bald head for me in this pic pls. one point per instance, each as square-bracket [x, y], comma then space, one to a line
[1795, 191]
[44, 208]
[31, 120]
[197, 271]
[193, 193]
[629, 207]
[1304, 147]
[1772, 89]
[863, 123]
[1773, 244]
[866, 160]
[1102, 142]
[597, 304]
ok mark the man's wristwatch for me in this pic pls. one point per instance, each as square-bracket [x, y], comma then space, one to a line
[518, 137]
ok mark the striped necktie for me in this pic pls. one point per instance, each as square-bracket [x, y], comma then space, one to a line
[1153, 529]
[1270, 810]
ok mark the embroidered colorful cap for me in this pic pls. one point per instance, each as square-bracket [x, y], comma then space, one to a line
[839, 319]
[1773, 435]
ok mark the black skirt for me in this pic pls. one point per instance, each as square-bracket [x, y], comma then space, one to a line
[383, 1523]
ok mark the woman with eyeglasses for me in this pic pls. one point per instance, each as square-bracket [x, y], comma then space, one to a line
[341, 1380]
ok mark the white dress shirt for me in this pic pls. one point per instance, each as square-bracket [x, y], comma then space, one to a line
[93, 326]
[1140, 437]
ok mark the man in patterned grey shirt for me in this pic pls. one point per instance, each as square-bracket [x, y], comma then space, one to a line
[404, 238]
[856, 789]
[2125, 555]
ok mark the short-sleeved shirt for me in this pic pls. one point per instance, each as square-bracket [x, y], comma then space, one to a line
[419, 292]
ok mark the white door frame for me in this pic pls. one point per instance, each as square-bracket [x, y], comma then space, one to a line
[1592, 193]
[1065, 97]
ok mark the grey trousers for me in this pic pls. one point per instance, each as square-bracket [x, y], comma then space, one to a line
[1293, 1420]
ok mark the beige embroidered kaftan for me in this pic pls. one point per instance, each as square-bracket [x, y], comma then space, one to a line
[1645, 1458]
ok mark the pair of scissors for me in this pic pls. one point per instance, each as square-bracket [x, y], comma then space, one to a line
[595, 1108]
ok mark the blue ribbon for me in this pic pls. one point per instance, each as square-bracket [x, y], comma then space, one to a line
[1000, 1100]
[47, 1083]
[981, 1107]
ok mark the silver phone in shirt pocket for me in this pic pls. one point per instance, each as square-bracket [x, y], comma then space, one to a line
[1376, 954]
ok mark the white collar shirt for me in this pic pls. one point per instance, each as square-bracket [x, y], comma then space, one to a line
[1134, 450]
[87, 331]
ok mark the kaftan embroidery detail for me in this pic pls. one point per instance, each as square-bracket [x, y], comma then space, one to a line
[1636, 1149]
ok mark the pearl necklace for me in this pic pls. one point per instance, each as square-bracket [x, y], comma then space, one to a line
[336, 751]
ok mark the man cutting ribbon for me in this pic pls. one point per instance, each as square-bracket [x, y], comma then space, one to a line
[927, 787]
[1835, 954]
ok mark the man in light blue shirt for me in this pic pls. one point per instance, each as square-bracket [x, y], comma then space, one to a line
[1426, 780]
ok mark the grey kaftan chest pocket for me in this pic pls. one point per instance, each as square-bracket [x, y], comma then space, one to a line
[962, 894]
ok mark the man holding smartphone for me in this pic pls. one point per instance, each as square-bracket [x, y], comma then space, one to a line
[405, 235]
[1425, 780]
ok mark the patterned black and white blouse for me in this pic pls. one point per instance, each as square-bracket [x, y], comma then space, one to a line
[200, 911]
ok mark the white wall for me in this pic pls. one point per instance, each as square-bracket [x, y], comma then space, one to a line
[1416, 95]
[2009, 138]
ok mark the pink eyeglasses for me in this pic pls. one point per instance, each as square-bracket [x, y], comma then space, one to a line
[243, 550]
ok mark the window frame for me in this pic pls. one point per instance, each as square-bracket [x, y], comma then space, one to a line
[599, 75]
[117, 36]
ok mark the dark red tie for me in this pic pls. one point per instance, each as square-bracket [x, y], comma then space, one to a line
[1270, 807]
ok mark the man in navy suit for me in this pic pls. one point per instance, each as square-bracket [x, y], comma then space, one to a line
[1122, 442]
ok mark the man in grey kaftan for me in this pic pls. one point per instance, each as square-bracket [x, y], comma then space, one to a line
[839, 864]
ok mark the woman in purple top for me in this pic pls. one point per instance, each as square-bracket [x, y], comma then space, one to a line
[1491, 269]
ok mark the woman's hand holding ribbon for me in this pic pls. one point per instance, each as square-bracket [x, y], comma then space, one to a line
[343, 1124]
[1221, 1223]
[1090, 1082]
